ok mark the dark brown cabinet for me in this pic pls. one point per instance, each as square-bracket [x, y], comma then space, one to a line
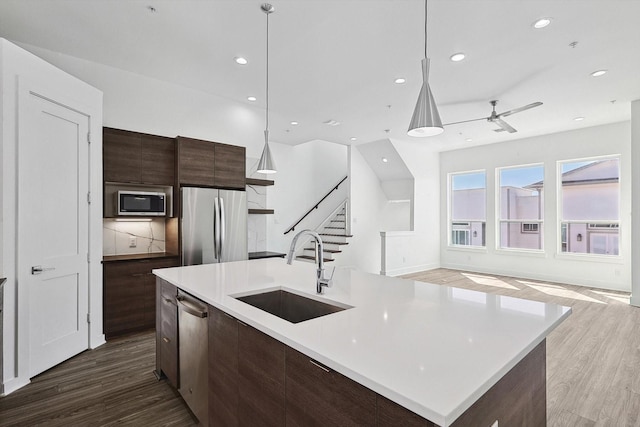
[167, 331]
[210, 164]
[390, 414]
[246, 374]
[129, 294]
[319, 396]
[223, 369]
[132, 157]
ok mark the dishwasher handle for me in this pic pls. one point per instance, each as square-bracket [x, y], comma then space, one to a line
[188, 307]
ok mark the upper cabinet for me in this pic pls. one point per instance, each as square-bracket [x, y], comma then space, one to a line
[137, 158]
[210, 164]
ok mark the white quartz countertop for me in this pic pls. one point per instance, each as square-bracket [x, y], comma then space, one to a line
[432, 349]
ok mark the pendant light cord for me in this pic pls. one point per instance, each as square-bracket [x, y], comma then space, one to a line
[425, 29]
[267, 112]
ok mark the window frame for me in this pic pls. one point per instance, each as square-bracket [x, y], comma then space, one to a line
[451, 221]
[498, 212]
[590, 225]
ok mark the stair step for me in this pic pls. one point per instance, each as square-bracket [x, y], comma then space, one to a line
[335, 243]
[336, 235]
[329, 251]
[312, 258]
[338, 220]
[334, 228]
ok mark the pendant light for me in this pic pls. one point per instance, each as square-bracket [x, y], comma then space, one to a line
[426, 119]
[266, 164]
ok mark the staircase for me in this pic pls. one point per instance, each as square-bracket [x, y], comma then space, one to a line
[333, 233]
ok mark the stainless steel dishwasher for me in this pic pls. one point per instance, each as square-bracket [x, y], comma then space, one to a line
[193, 354]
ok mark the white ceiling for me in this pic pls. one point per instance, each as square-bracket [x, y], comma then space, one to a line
[337, 59]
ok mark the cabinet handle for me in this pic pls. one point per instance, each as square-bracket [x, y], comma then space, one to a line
[165, 339]
[243, 324]
[229, 316]
[139, 274]
[319, 365]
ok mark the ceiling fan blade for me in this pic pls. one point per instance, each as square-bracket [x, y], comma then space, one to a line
[504, 125]
[465, 121]
[517, 110]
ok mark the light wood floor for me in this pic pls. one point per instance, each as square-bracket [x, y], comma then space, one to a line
[593, 367]
[593, 358]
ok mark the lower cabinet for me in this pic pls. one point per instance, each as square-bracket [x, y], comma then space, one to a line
[319, 396]
[257, 380]
[129, 294]
[167, 331]
[246, 374]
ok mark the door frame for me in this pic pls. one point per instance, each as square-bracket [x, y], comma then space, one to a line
[24, 73]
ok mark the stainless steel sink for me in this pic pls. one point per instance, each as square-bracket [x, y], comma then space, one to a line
[289, 306]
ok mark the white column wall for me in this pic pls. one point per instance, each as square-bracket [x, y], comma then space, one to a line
[602, 272]
[635, 209]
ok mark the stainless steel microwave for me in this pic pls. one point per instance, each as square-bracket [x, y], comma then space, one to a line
[141, 203]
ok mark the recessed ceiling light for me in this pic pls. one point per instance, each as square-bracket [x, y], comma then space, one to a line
[240, 60]
[353, 138]
[541, 23]
[385, 160]
[294, 123]
[598, 73]
[468, 139]
[332, 123]
[457, 57]
[579, 119]
[399, 81]
[151, 9]
[251, 98]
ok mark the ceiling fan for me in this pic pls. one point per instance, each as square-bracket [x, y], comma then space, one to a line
[497, 118]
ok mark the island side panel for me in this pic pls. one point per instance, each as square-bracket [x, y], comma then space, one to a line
[390, 414]
[517, 399]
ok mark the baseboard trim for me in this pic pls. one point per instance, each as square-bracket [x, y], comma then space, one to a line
[408, 270]
[537, 276]
[13, 385]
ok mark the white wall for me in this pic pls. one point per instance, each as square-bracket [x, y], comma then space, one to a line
[18, 64]
[635, 232]
[368, 201]
[603, 272]
[421, 247]
[139, 103]
[306, 173]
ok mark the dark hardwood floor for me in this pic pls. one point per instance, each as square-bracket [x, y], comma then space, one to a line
[111, 385]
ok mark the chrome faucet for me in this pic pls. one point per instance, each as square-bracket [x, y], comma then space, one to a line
[321, 281]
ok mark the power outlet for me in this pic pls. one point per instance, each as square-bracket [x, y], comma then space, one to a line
[133, 241]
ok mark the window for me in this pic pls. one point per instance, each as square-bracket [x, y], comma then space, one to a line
[521, 207]
[467, 208]
[590, 206]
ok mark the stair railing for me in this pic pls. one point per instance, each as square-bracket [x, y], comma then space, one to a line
[342, 206]
[293, 227]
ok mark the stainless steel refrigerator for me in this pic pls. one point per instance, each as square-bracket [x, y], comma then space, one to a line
[214, 225]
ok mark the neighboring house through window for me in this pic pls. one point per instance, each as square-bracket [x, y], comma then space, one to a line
[590, 206]
[467, 208]
[521, 207]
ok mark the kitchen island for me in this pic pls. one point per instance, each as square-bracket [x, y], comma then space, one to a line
[440, 352]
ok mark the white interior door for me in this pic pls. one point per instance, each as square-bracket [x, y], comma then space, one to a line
[53, 224]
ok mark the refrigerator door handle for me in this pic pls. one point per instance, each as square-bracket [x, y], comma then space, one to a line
[216, 228]
[223, 227]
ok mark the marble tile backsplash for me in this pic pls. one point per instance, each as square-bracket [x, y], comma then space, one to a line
[149, 236]
[256, 199]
